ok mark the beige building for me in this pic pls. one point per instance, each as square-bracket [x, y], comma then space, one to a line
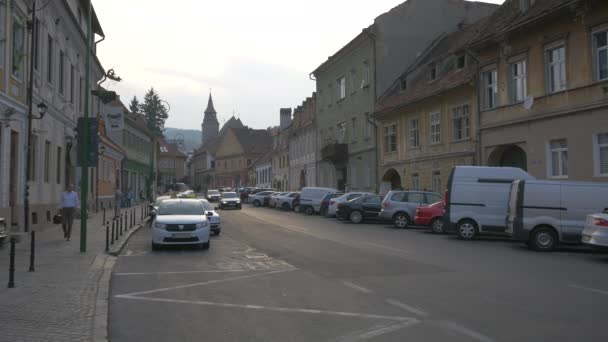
[543, 88]
[280, 152]
[171, 164]
[302, 145]
[428, 118]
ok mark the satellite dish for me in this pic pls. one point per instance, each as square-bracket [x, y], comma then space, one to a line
[529, 102]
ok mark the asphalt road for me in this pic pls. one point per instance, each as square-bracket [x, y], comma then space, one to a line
[281, 276]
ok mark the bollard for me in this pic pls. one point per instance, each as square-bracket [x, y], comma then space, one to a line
[32, 249]
[104, 214]
[107, 236]
[113, 230]
[120, 219]
[11, 267]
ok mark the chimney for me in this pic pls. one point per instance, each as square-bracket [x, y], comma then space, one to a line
[285, 118]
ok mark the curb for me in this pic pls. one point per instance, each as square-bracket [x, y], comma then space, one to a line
[117, 248]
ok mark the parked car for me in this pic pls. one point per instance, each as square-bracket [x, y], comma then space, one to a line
[363, 208]
[547, 213]
[431, 216]
[255, 192]
[595, 233]
[400, 206]
[295, 203]
[214, 217]
[273, 199]
[244, 194]
[310, 199]
[156, 204]
[333, 203]
[258, 199]
[325, 201]
[213, 195]
[3, 229]
[181, 222]
[266, 200]
[186, 194]
[285, 202]
[230, 200]
[477, 197]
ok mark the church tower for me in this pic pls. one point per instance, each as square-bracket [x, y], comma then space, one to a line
[210, 126]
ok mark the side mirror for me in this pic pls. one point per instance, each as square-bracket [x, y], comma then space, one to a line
[209, 213]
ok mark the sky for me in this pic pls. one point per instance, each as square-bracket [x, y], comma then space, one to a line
[254, 56]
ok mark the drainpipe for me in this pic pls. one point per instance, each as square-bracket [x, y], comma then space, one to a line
[478, 96]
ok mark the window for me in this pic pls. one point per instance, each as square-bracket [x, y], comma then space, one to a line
[341, 132]
[432, 72]
[342, 87]
[490, 88]
[18, 49]
[601, 154]
[403, 83]
[415, 181]
[33, 157]
[435, 121]
[390, 138]
[518, 81]
[600, 54]
[558, 157]
[81, 83]
[460, 61]
[37, 42]
[2, 36]
[353, 130]
[414, 132]
[58, 166]
[437, 181]
[414, 197]
[368, 126]
[49, 60]
[72, 83]
[460, 122]
[47, 160]
[365, 79]
[61, 72]
[556, 68]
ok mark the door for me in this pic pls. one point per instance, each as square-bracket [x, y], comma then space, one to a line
[371, 206]
[13, 176]
[414, 200]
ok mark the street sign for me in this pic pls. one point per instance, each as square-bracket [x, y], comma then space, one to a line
[92, 135]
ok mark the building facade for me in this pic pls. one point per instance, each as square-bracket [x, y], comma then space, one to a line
[302, 146]
[171, 165]
[543, 77]
[263, 171]
[58, 82]
[110, 158]
[280, 154]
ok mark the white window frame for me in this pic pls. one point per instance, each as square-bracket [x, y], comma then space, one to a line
[341, 132]
[519, 81]
[368, 127]
[415, 181]
[597, 160]
[596, 50]
[559, 67]
[466, 117]
[342, 87]
[490, 86]
[560, 151]
[435, 128]
[21, 68]
[365, 79]
[414, 132]
[390, 130]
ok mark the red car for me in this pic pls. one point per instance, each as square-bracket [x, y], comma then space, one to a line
[431, 216]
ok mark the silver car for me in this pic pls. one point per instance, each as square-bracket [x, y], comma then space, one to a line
[285, 202]
[399, 207]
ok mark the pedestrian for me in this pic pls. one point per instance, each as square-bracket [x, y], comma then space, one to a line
[69, 204]
[117, 202]
[129, 197]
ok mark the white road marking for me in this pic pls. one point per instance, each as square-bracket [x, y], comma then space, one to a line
[406, 307]
[202, 284]
[455, 327]
[356, 287]
[271, 308]
[401, 251]
[176, 272]
[590, 289]
[387, 329]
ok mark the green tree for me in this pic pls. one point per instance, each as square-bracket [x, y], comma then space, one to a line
[155, 112]
[134, 106]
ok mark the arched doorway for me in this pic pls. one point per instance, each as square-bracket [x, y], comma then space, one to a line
[391, 179]
[302, 179]
[509, 155]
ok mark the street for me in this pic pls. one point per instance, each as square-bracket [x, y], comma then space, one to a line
[281, 276]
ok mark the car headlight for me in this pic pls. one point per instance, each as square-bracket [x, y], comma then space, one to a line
[160, 225]
[202, 225]
[223, 202]
[238, 201]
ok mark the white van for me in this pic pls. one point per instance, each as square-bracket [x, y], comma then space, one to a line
[477, 197]
[545, 213]
[310, 199]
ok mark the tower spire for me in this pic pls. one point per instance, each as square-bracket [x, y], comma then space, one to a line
[210, 109]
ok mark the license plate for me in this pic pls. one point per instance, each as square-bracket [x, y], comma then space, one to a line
[180, 235]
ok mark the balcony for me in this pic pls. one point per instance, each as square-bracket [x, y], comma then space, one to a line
[335, 153]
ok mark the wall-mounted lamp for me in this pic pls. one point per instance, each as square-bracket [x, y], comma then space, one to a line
[42, 107]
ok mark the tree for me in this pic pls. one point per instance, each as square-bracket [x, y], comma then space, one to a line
[155, 112]
[134, 106]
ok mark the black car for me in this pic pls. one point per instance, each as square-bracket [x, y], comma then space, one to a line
[363, 208]
[213, 196]
[325, 202]
[230, 200]
[267, 199]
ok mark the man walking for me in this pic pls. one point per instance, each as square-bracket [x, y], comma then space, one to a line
[69, 204]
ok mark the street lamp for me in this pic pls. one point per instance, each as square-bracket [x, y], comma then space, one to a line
[175, 155]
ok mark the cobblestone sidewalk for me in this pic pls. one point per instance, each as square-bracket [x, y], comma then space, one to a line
[56, 302]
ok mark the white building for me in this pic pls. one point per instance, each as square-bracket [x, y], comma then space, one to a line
[263, 171]
[302, 160]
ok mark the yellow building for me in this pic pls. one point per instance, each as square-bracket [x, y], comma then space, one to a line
[427, 119]
[544, 90]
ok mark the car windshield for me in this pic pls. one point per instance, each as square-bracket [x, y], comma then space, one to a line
[207, 206]
[229, 195]
[213, 192]
[181, 208]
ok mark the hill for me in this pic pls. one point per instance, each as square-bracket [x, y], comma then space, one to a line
[192, 137]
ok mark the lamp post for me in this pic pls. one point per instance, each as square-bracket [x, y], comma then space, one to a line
[175, 155]
[101, 150]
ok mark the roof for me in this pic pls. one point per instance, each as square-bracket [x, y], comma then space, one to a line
[509, 17]
[210, 109]
[169, 150]
[101, 134]
[253, 140]
[265, 158]
[139, 121]
[233, 122]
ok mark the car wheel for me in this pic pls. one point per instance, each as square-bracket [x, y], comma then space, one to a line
[155, 246]
[355, 216]
[437, 226]
[309, 211]
[401, 220]
[256, 203]
[543, 239]
[285, 206]
[467, 230]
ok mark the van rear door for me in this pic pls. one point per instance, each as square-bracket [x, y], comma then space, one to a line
[578, 201]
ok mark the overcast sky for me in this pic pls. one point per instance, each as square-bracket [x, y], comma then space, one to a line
[255, 55]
